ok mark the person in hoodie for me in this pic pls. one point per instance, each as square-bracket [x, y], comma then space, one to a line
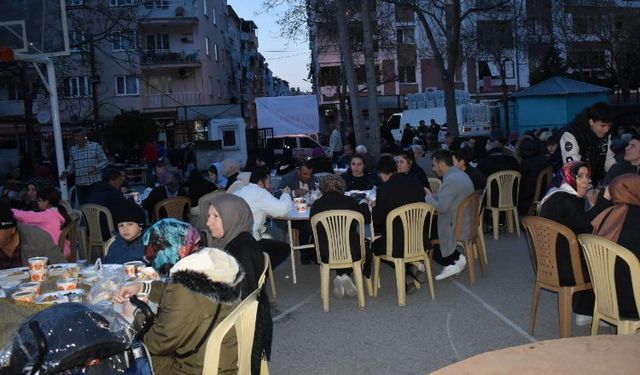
[107, 193]
[202, 288]
[532, 162]
[129, 219]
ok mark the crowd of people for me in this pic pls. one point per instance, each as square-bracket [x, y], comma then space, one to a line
[596, 189]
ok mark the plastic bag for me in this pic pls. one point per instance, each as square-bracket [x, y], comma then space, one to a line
[110, 279]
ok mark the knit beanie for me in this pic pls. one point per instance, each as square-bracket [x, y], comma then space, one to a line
[6, 216]
[129, 211]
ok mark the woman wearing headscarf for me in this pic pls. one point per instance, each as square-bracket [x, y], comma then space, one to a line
[202, 289]
[620, 223]
[332, 188]
[231, 224]
[566, 205]
[230, 171]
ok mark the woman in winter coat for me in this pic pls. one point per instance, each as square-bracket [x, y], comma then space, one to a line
[406, 163]
[620, 224]
[202, 289]
[231, 224]
[357, 177]
[129, 219]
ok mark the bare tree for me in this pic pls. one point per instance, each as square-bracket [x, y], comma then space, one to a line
[372, 142]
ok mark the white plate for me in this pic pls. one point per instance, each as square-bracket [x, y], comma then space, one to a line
[60, 296]
[59, 268]
[9, 284]
[13, 273]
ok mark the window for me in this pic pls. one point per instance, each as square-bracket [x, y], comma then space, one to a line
[587, 24]
[72, 3]
[290, 142]
[127, 85]
[590, 61]
[77, 41]
[204, 7]
[160, 4]
[407, 74]
[122, 40]
[308, 143]
[215, 51]
[157, 41]
[229, 137]
[405, 35]
[119, 3]
[206, 45]
[15, 92]
[77, 87]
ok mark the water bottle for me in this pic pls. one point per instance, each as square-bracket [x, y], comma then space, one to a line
[372, 194]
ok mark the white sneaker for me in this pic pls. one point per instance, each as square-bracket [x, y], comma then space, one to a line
[349, 287]
[583, 320]
[461, 262]
[450, 270]
[338, 286]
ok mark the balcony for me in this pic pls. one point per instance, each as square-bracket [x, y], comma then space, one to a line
[168, 58]
[173, 100]
[167, 12]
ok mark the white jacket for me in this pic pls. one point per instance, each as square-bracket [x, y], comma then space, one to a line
[263, 204]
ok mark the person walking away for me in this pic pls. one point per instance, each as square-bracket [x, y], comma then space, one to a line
[86, 161]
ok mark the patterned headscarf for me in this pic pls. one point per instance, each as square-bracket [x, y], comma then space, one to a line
[569, 173]
[169, 240]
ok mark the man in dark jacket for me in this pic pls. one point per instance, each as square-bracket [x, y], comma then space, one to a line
[107, 193]
[171, 188]
[461, 159]
[631, 163]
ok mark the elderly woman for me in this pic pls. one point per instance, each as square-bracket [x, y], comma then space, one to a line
[333, 198]
[619, 223]
[566, 205]
[357, 177]
[406, 164]
[231, 224]
[202, 289]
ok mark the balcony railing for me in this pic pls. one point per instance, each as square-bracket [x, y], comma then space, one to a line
[161, 56]
[178, 10]
[171, 100]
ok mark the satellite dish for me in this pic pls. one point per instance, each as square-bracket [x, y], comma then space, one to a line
[44, 117]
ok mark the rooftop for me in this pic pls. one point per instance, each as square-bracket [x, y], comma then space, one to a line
[560, 86]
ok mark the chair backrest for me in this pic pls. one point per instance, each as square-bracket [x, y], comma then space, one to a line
[175, 207]
[92, 214]
[337, 226]
[73, 197]
[542, 181]
[263, 275]
[243, 319]
[107, 245]
[508, 185]
[543, 234]
[469, 206]
[434, 185]
[69, 232]
[413, 216]
[601, 257]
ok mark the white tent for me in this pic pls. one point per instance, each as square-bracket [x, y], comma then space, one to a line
[288, 114]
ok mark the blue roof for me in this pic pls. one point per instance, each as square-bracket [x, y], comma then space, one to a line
[560, 86]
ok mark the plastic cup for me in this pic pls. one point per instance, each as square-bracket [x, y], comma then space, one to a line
[67, 283]
[301, 207]
[30, 287]
[38, 271]
[131, 268]
[24, 296]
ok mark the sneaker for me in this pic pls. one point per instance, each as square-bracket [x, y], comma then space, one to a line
[349, 287]
[461, 262]
[338, 287]
[583, 320]
[417, 274]
[452, 269]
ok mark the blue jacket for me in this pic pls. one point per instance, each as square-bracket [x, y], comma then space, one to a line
[120, 251]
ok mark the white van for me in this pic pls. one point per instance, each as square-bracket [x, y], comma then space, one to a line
[296, 143]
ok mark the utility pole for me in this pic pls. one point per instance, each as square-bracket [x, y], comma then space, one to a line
[95, 79]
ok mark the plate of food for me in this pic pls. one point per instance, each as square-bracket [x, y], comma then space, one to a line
[74, 295]
[64, 269]
[14, 273]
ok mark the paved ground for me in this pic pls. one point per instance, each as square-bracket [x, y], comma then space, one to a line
[421, 337]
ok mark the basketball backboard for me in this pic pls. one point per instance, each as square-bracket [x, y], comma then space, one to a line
[34, 27]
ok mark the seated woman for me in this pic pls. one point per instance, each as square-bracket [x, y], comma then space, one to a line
[333, 198]
[357, 177]
[52, 216]
[566, 205]
[30, 200]
[127, 247]
[620, 224]
[231, 224]
[406, 163]
[202, 289]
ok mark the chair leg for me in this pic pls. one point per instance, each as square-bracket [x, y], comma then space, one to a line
[376, 275]
[495, 215]
[482, 258]
[483, 248]
[534, 308]
[564, 309]
[595, 324]
[369, 287]
[357, 274]
[509, 220]
[272, 282]
[468, 250]
[325, 272]
[516, 221]
[427, 266]
[400, 281]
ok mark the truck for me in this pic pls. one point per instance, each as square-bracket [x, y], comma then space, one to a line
[474, 119]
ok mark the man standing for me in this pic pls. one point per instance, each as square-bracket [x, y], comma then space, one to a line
[263, 204]
[335, 144]
[86, 161]
[456, 186]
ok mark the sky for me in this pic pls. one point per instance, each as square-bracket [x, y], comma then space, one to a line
[288, 59]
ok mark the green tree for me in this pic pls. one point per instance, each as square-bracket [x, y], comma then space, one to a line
[552, 65]
[130, 128]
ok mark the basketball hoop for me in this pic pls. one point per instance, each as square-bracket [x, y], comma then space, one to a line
[6, 54]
